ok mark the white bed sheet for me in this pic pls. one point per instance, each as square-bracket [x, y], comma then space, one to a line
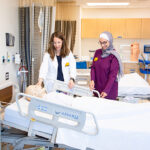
[12, 115]
[122, 126]
[133, 83]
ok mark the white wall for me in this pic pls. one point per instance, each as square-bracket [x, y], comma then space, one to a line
[9, 23]
[92, 44]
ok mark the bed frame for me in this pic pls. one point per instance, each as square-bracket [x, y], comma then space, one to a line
[136, 98]
[18, 140]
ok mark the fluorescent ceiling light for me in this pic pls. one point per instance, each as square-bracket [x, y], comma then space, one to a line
[107, 4]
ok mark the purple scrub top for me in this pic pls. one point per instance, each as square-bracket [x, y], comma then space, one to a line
[104, 73]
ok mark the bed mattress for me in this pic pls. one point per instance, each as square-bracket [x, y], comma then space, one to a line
[122, 126]
[12, 115]
[133, 83]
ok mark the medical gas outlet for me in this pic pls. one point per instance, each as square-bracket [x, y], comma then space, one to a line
[3, 59]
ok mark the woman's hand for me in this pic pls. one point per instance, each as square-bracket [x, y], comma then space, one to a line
[103, 95]
[71, 84]
[40, 81]
[92, 84]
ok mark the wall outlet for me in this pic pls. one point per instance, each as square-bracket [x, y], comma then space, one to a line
[7, 76]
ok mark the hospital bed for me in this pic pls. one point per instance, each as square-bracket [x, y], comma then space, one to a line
[117, 125]
[133, 85]
[41, 117]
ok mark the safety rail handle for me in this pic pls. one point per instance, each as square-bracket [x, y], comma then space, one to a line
[95, 91]
[76, 90]
[58, 112]
[18, 105]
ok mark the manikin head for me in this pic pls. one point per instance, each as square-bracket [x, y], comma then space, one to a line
[35, 90]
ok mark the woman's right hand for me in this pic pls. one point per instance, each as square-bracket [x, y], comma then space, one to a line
[92, 84]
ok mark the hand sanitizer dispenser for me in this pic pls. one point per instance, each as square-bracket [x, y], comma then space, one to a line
[17, 59]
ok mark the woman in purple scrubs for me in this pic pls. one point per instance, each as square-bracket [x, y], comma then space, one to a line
[106, 68]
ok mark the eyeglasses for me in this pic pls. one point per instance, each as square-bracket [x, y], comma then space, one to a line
[56, 43]
[102, 43]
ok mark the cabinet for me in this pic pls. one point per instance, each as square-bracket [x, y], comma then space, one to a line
[126, 28]
[117, 28]
[133, 28]
[145, 32]
[91, 28]
[130, 67]
[103, 25]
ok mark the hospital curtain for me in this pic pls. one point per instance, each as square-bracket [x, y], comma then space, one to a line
[24, 40]
[41, 36]
[68, 28]
[48, 28]
[33, 41]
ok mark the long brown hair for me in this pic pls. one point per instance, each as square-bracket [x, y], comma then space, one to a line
[51, 49]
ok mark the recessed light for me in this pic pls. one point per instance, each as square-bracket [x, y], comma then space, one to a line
[107, 4]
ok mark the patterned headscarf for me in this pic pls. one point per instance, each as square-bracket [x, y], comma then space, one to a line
[110, 50]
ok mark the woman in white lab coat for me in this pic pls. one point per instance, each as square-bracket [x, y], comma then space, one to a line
[58, 63]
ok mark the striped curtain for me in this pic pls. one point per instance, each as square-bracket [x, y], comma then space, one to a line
[49, 26]
[33, 43]
[68, 28]
[24, 37]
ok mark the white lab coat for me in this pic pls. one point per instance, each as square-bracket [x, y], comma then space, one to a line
[48, 69]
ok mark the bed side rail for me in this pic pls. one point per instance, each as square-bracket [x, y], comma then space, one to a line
[56, 115]
[76, 90]
[147, 96]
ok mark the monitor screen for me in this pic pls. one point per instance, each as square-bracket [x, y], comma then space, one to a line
[146, 48]
[10, 39]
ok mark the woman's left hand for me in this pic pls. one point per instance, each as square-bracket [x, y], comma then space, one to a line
[103, 95]
[71, 84]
